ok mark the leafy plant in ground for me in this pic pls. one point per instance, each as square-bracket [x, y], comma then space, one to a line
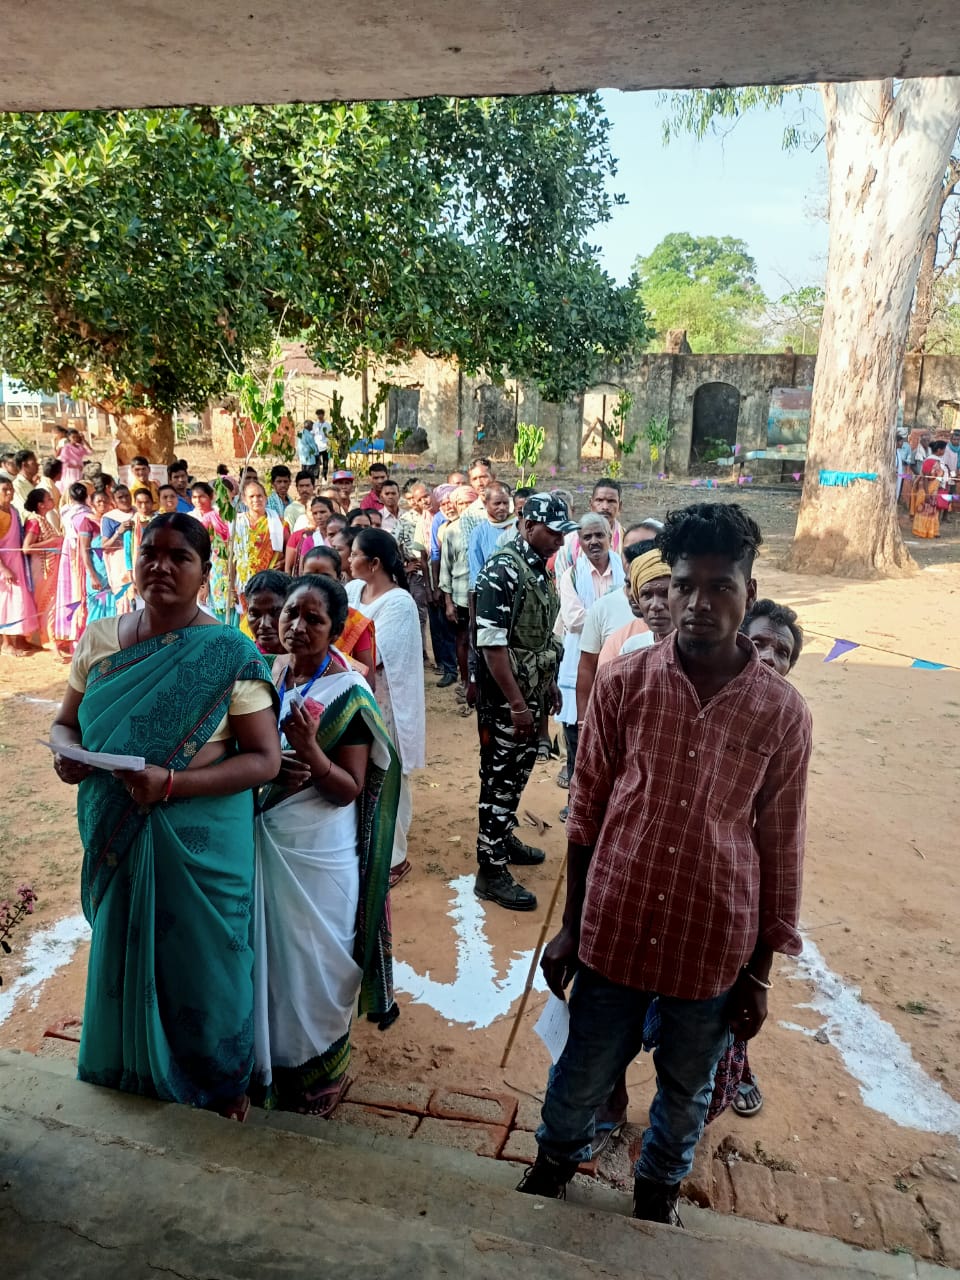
[657, 433]
[527, 450]
[713, 447]
[12, 913]
[260, 396]
[623, 445]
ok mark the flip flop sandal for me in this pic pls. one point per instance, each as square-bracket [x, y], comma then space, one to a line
[603, 1135]
[563, 779]
[748, 1103]
[323, 1104]
[397, 873]
[543, 751]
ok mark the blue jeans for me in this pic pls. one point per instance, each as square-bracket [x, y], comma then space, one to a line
[606, 1034]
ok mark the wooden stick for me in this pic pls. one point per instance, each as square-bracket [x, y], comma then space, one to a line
[533, 965]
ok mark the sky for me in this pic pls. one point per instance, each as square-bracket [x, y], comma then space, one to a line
[742, 184]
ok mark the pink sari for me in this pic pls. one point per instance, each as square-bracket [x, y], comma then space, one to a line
[18, 612]
[72, 456]
[70, 610]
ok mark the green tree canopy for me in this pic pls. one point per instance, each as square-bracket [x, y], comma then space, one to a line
[144, 255]
[136, 262]
[704, 284]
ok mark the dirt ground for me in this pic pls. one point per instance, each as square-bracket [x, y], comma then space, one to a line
[881, 898]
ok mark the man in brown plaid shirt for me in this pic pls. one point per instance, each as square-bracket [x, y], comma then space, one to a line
[684, 861]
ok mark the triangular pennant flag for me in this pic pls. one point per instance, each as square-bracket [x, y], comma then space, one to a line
[840, 647]
[797, 475]
[923, 665]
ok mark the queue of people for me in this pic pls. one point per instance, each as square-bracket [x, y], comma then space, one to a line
[280, 752]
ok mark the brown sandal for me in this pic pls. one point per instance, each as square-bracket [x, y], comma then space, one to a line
[398, 872]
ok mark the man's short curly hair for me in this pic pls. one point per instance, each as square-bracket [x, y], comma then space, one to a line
[710, 529]
[781, 615]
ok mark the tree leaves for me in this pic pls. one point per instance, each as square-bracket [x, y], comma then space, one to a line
[152, 250]
[703, 284]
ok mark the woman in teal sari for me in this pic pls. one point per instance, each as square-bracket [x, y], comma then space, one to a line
[324, 841]
[168, 859]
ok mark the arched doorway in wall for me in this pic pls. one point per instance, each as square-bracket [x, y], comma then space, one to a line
[716, 411]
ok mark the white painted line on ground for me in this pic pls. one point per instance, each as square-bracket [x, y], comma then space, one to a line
[891, 1080]
[46, 952]
[477, 996]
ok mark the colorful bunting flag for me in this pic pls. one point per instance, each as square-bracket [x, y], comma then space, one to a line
[840, 647]
[922, 665]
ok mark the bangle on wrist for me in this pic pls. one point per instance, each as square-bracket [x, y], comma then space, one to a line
[168, 789]
[767, 986]
[326, 773]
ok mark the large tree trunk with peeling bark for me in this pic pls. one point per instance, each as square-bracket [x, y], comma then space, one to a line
[145, 431]
[887, 154]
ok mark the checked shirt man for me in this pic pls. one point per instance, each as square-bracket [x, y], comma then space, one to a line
[684, 861]
[518, 657]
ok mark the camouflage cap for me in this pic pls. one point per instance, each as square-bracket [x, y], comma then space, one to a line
[548, 509]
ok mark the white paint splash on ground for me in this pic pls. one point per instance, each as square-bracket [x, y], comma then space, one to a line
[25, 697]
[46, 952]
[478, 995]
[891, 1080]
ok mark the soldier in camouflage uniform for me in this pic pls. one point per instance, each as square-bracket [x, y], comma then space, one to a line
[517, 607]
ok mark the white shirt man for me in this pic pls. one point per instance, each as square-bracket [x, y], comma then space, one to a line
[951, 455]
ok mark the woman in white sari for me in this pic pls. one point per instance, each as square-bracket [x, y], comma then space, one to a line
[379, 590]
[324, 840]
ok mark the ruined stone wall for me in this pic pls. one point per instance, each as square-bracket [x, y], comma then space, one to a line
[467, 416]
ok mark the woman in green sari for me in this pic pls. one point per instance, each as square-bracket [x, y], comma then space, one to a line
[324, 841]
[168, 862]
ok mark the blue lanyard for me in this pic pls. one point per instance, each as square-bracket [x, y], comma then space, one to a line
[307, 687]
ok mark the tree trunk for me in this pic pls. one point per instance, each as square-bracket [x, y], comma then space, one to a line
[887, 155]
[145, 431]
[927, 275]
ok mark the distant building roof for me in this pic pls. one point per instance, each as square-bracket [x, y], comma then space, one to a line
[297, 363]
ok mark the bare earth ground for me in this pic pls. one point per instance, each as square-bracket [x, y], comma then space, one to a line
[881, 897]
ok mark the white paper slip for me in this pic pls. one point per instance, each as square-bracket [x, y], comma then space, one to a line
[553, 1026]
[97, 759]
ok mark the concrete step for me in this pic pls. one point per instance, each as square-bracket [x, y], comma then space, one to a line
[100, 1184]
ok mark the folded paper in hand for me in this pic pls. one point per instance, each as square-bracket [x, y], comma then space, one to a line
[553, 1026]
[97, 759]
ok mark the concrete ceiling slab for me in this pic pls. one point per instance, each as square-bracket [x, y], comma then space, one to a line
[111, 53]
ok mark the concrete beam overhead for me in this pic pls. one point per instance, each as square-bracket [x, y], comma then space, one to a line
[163, 52]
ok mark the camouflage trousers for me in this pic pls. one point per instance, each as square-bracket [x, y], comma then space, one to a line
[505, 768]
